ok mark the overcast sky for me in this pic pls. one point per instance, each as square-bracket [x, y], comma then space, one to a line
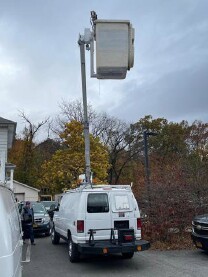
[40, 59]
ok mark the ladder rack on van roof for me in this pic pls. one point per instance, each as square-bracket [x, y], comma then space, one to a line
[102, 186]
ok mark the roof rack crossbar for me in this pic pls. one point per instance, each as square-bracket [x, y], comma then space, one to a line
[87, 186]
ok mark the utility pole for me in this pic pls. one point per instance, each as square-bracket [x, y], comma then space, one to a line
[146, 134]
[81, 43]
[147, 171]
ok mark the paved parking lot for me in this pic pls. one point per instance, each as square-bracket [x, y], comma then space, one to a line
[52, 260]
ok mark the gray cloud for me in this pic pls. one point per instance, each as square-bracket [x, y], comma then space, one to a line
[179, 95]
[40, 60]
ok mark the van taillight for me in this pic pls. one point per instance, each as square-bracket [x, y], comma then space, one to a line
[128, 237]
[139, 224]
[80, 226]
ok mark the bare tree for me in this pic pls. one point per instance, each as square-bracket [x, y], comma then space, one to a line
[31, 129]
[71, 111]
[29, 133]
[114, 134]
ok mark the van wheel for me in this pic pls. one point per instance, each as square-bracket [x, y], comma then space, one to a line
[55, 238]
[73, 251]
[128, 255]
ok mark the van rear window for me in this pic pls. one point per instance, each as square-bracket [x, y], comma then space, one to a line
[97, 203]
[121, 202]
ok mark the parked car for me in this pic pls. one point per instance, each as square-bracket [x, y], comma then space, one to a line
[99, 219]
[200, 231]
[41, 219]
[10, 235]
[50, 206]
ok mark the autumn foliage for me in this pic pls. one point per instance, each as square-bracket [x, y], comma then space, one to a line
[65, 166]
[178, 165]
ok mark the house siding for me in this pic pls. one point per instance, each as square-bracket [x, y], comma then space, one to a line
[3, 140]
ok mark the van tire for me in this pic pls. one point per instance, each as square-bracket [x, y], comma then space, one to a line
[55, 238]
[128, 255]
[73, 251]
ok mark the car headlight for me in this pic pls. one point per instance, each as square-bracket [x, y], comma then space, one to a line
[46, 219]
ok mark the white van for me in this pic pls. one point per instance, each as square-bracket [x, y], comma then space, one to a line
[99, 219]
[10, 235]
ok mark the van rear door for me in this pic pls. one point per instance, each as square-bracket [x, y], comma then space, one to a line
[123, 216]
[98, 215]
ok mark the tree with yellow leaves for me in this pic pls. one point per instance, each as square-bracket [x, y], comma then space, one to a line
[63, 170]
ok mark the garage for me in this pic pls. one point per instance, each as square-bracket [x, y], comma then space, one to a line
[24, 192]
[20, 197]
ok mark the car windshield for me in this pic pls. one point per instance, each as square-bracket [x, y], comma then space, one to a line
[38, 208]
[48, 204]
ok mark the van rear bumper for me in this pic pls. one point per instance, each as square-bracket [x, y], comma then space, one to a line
[106, 247]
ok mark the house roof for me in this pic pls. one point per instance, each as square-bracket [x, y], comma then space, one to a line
[24, 185]
[6, 121]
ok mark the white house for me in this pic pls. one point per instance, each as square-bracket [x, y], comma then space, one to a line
[7, 133]
[24, 192]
